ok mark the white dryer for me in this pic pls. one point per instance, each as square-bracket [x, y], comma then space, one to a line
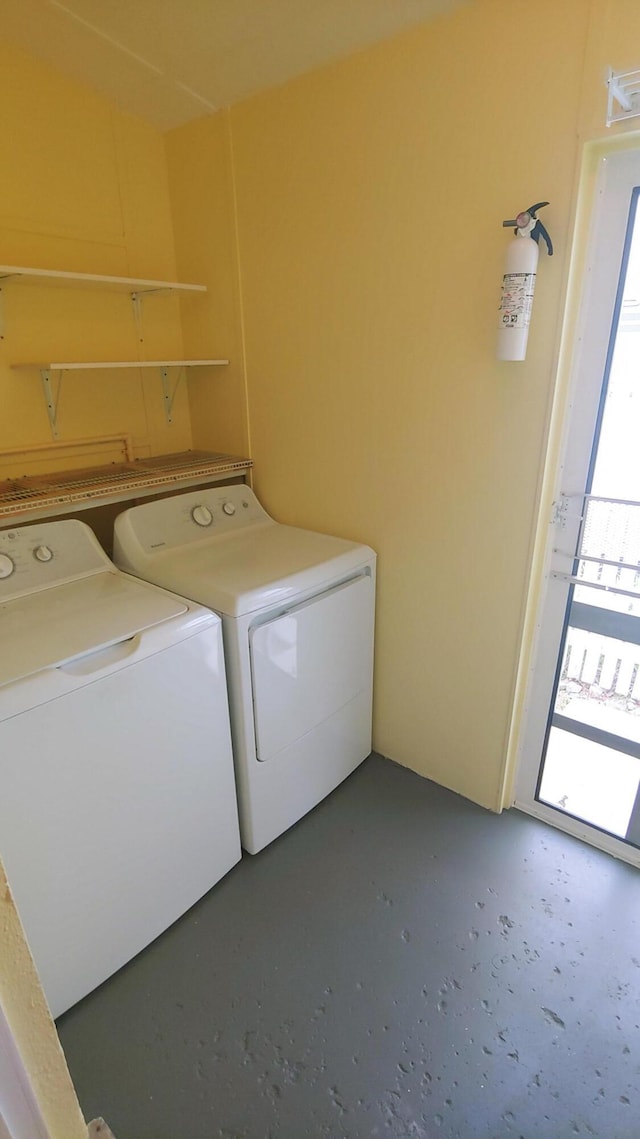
[118, 807]
[297, 610]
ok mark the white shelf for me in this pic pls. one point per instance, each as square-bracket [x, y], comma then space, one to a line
[91, 366]
[57, 369]
[138, 288]
[58, 277]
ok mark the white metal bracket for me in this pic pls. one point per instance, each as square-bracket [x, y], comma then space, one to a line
[559, 511]
[137, 298]
[624, 95]
[52, 398]
[562, 513]
[167, 394]
[3, 277]
[136, 305]
[573, 580]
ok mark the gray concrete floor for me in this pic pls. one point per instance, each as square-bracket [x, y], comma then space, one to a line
[401, 963]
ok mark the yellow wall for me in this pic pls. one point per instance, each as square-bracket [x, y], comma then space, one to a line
[84, 188]
[370, 197]
[26, 1011]
[201, 184]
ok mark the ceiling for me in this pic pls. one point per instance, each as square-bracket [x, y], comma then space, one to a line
[170, 61]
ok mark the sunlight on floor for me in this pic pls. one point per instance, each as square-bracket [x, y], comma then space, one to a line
[593, 782]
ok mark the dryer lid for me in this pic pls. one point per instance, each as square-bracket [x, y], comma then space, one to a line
[44, 629]
[262, 566]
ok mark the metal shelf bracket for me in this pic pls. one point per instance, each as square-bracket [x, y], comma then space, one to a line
[560, 511]
[624, 95]
[136, 305]
[137, 298]
[52, 398]
[169, 395]
[4, 276]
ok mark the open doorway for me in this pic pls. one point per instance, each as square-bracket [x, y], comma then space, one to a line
[580, 765]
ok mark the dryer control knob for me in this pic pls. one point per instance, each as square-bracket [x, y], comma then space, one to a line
[202, 516]
[228, 508]
[6, 566]
[43, 554]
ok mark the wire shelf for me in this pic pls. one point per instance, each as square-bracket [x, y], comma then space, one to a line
[79, 489]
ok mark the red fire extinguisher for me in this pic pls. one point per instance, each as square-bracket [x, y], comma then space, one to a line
[519, 282]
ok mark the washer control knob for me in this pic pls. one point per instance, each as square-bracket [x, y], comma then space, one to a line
[202, 516]
[6, 566]
[43, 554]
[228, 508]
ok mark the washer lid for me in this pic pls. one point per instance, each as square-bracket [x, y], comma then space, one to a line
[44, 629]
[262, 566]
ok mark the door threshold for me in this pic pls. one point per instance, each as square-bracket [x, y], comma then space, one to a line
[591, 835]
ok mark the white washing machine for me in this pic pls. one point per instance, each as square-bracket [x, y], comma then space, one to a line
[117, 803]
[297, 612]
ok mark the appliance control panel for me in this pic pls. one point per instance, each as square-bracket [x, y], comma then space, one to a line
[43, 554]
[171, 523]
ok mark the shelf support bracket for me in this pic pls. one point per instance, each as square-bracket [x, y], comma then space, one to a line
[52, 398]
[136, 305]
[4, 277]
[167, 394]
[137, 298]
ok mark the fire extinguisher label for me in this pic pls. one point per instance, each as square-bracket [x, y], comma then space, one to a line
[516, 301]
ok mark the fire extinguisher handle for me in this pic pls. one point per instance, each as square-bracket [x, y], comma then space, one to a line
[539, 231]
[533, 210]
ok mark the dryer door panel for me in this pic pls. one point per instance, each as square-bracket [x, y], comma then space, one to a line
[309, 662]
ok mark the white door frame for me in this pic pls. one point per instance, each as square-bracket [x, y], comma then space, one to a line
[618, 174]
